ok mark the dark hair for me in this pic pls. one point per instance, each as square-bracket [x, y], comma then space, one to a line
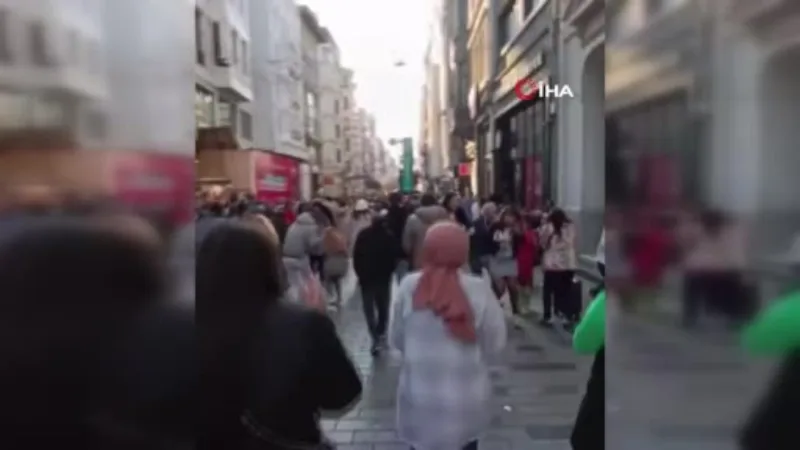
[239, 277]
[446, 200]
[713, 221]
[533, 220]
[558, 218]
[427, 200]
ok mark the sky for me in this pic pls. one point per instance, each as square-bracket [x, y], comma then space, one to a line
[372, 36]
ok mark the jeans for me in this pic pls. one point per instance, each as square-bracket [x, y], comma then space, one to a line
[375, 301]
[471, 446]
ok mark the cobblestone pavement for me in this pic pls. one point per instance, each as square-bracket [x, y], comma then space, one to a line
[538, 386]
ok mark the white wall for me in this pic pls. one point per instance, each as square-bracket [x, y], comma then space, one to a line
[151, 58]
[278, 78]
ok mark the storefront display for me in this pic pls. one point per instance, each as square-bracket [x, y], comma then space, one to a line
[157, 183]
[276, 178]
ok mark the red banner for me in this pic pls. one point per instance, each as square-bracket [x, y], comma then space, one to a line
[157, 182]
[276, 178]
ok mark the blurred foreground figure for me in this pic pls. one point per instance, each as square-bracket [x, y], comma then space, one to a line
[268, 366]
[92, 358]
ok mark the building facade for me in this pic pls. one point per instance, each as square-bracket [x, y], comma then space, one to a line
[278, 78]
[312, 36]
[434, 156]
[580, 179]
[334, 163]
[461, 132]
[223, 67]
[53, 69]
[482, 55]
[523, 142]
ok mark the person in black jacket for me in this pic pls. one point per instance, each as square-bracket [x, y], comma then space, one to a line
[374, 262]
[773, 423]
[481, 242]
[452, 203]
[396, 219]
[589, 430]
[267, 367]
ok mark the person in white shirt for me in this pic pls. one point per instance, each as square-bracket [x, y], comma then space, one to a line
[449, 326]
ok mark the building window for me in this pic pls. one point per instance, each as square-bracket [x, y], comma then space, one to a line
[226, 114]
[217, 34]
[246, 125]
[198, 37]
[654, 7]
[38, 44]
[531, 6]
[338, 131]
[509, 24]
[347, 145]
[338, 156]
[203, 108]
[346, 104]
[245, 59]
[5, 37]
[235, 47]
[336, 106]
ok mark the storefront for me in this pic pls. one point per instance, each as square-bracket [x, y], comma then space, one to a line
[157, 184]
[277, 178]
[481, 147]
[523, 141]
[653, 92]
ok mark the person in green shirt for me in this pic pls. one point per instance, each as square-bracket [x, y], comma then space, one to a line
[588, 432]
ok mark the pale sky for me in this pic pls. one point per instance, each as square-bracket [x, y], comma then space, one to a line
[372, 35]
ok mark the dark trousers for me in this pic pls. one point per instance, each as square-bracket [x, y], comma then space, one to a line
[556, 291]
[471, 446]
[375, 299]
[719, 292]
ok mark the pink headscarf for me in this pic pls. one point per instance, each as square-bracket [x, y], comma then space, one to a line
[444, 252]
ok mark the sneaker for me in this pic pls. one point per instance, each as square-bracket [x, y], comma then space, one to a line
[545, 321]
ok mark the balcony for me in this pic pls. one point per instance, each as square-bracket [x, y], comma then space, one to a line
[764, 14]
[578, 13]
[232, 84]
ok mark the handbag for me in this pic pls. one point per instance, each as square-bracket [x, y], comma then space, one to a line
[263, 436]
[336, 266]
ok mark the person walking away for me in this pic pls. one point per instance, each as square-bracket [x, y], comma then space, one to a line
[470, 206]
[374, 265]
[336, 263]
[507, 237]
[528, 257]
[396, 218]
[448, 326]
[481, 244]
[362, 218]
[452, 203]
[715, 262]
[303, 241]
[268, 367]
[417, 225]
[559, 262]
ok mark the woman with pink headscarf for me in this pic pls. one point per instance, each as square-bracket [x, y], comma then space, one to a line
[448, 325]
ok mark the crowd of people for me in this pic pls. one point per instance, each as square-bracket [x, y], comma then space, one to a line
[119, 333]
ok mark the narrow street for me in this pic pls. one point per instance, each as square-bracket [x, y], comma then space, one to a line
[537, 386]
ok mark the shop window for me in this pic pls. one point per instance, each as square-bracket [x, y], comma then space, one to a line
[246, 125]
[38, 44]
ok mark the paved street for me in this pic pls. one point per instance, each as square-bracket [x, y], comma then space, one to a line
[538, 385]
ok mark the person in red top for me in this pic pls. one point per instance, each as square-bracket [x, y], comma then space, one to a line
[528, 257]
[289, 214]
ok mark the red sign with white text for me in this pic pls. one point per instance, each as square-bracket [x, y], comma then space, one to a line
[464, 169]
[276, 178]
[157, 182]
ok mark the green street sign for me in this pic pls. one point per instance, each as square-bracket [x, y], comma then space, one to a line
[407, 178]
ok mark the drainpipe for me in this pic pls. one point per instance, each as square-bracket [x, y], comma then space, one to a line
[552, 104]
